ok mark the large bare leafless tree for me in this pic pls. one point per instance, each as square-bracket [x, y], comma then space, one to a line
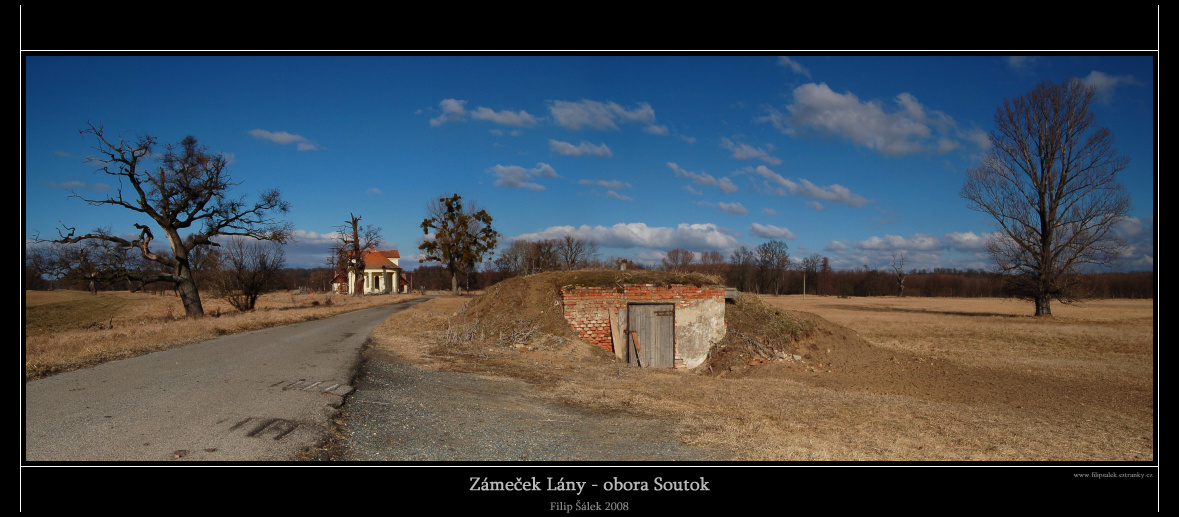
[184, 187]
[353, 243]
[1050, 182]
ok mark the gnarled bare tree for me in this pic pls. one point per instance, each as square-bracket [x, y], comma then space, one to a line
[353, 243]
[1050, 183]
[184, 187]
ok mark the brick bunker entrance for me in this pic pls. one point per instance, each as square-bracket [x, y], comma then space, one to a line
[672, 326]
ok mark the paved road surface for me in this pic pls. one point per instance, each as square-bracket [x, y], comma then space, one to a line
[262, 395]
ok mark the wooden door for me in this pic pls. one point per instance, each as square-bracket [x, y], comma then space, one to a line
[654, 327]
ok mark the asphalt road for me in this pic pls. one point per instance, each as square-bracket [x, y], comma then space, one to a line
[259, 396]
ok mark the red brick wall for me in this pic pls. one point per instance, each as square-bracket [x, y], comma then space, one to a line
[587, 308]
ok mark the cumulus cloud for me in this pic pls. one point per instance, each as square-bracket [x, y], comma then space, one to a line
[768, 211]
[284, 138]
[639, 235]
[902, 128]
[454, 110]
[770, 231]
[1106, 84]
[794, 66]
[966, 241]
[582, 149]
[777, 184]
[920, 242]
[702, 178]
[747, 152]
[603, 116]
[516, 176]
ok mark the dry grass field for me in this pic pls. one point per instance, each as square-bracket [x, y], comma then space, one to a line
[880, 379]
[67, 330]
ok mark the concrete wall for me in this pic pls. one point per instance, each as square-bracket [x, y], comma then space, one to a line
[699, 315]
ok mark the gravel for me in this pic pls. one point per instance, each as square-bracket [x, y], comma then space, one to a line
[403, 413]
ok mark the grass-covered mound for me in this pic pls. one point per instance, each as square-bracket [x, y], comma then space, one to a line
[526, 312]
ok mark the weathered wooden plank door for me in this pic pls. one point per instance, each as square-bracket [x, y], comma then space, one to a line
[654, 326]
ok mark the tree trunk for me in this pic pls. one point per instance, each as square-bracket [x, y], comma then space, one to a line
[187, 289]
[454, 284]
[1043, 305]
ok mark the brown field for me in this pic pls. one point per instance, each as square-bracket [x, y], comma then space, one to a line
[65, 330]
[892, 379]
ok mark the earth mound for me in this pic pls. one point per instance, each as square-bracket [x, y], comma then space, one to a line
[526, 313]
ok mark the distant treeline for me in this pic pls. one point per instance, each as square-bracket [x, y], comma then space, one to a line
[749, 278]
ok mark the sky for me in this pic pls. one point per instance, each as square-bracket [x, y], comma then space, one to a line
[854, 157]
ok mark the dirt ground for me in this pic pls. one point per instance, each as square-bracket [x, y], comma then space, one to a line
[899, 380]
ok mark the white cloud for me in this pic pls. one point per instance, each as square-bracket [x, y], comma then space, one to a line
[768, 211]
[794, 66]
[732, 208]
[508, 118]
[1021, 63]
[966, 241]
[603, 116]
[746, 152]
[1106, 84]
[73, 185]
[703, 178]
[581, 149]
[906, 128]
[639, 235]
[770, 231]
[726, 185]
[781, 186]
[693, 191]
[919, 242]
[615, 195]
[815, 205]
[515, 176]
[611, 184]
[454, 110]
[284, 138]
[688, 139]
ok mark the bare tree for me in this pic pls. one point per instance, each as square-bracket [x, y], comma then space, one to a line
[353, 243]
[1050, 183]
[741, 266]
[678, 259]
[249, 270]
[810, 267]
[183, 187]
[462, 236]
[898, 269]
[773, 260]
[714, 262]
[576, 252]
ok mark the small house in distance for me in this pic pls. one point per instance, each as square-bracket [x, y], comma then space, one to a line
[649, 324]
[382, 275]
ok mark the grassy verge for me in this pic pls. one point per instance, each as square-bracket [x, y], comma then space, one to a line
[68, 330]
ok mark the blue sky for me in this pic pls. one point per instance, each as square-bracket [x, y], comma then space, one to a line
[856, 158]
